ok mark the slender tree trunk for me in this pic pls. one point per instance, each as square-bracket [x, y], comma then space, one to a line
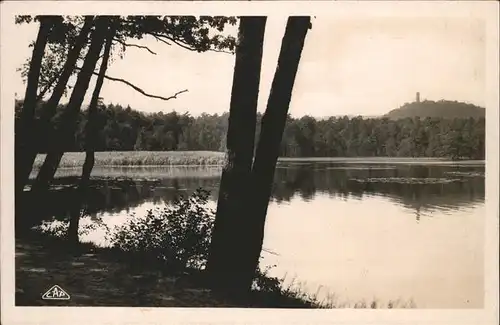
[222, 265]
[67, 127]
[90, 139]
[25, 137]
[272, 127]
[26, 158]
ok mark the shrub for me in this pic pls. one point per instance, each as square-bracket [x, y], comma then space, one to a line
[177, 235]
[59, 229]
[263, 282]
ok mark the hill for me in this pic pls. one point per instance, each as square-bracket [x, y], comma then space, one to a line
[443, 108]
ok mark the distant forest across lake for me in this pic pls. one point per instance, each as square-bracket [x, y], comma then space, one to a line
[125, 129]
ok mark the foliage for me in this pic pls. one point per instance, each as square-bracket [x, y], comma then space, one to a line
[442, 108]
[124, 129]
[263, 282]
[61, 39]
[178, 235]
[199, 34]
[193, 33]
[55, 56]
[141, 158]
[276, 289]
[59, 229]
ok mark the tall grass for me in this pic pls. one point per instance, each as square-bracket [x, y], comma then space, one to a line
[214, 158]
[323, 298]
[140, 158]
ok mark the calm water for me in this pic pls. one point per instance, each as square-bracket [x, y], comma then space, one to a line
[358, 231]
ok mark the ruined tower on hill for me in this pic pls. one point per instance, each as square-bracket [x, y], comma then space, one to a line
[418, 97]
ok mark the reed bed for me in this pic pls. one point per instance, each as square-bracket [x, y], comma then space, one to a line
[141, 158]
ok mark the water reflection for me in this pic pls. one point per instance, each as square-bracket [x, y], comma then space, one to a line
[131, 187]
[328, 223]
[338, 183]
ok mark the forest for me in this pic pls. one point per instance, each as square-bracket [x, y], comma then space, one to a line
[442, 108]
[126, 129]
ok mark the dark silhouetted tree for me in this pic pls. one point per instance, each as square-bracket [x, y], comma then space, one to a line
[26, 156]
[91, 132]
[245, 188]
[69, 118]
[223, 265]
[268, 148]
[24, 140]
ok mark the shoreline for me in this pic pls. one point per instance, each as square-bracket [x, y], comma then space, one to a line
[190, 159]
[107, 278]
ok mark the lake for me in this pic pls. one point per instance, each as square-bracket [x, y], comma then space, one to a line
[373, 231]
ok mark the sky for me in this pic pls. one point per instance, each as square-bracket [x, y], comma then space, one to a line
[357, 66]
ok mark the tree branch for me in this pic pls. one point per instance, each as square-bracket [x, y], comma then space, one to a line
[221, 51]
[135, 45]
[174, 96]
[270, 251]
[159, 39]
[178, 43]
[181, 43]
[136, 88]
[48, 85]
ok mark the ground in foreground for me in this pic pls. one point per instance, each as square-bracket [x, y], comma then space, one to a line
[94, 277]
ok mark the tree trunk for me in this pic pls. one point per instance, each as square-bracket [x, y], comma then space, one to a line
[26, 157]
[222, 265]
[91, 132]
[67, 126]
[266, 157]
[25, 137]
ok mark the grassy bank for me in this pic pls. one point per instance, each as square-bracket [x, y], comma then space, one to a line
[98, 276]
[384, 160]
[211, 158]
[141, 158]
[95, 276]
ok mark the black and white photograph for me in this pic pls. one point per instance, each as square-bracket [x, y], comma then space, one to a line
[262, 157]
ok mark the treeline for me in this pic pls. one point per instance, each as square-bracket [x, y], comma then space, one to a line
[442, 108]
[125, 129]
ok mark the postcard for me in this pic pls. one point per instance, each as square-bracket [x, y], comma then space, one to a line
[249, 162]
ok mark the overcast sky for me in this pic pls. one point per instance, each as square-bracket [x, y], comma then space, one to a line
[364, 66]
